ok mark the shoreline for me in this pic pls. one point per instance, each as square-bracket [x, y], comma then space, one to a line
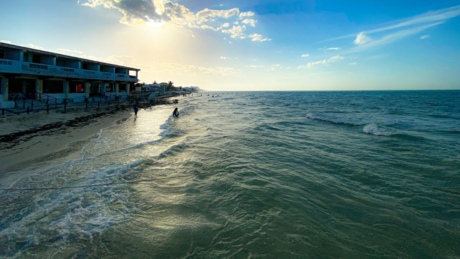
[29, 141]
[62, 140]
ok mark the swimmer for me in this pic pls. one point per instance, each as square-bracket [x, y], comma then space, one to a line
[176, 113]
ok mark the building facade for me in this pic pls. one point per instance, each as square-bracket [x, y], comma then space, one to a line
[35, 74]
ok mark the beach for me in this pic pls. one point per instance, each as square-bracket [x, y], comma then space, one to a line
[243, 175]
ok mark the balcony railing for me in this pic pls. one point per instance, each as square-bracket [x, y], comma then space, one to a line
[11, 66]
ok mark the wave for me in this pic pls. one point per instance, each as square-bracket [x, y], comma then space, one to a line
[68, 212]
[374, 130]
[337, 119]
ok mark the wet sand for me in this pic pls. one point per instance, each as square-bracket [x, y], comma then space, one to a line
[62, 140]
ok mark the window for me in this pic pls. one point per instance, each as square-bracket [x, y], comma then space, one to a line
[60, 62]
[84, 66]
[26, 57]
[35, 58]
[2, 53]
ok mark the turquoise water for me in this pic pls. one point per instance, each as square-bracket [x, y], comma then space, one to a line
[252, 175]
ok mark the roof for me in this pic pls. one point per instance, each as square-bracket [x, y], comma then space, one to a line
[62, 56]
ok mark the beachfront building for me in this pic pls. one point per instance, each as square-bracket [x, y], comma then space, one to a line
[37, 74]
[164, 85]
[153, 88]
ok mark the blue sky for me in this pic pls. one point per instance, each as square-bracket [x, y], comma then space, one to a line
[253, 45]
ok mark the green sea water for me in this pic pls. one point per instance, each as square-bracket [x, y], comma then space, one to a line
[252, 175]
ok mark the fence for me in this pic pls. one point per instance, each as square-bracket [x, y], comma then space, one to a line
[109, 101]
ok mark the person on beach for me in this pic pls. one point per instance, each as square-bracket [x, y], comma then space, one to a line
[176, 112]
[135, 109]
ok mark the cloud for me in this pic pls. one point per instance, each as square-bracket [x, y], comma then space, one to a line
[305, 55]
[250, 22]
[5, 41]
[222, 57]
[67, 51]
[30, 45]
[361, 39]
[204, 26]
[333, 48]
[423, 37]
[254, 66]
[390, 38]
[217, 13]
[134, 11]
[354, 63]
[246, 14]
[236, 31]
[164, 12]
[258, 37]
[322, 62]
[434, 17]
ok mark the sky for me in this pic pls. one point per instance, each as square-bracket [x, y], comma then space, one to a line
[253, 45]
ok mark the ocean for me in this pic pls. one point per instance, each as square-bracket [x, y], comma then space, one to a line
[252, 175]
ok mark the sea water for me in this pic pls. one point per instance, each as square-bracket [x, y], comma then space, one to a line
[252, 175]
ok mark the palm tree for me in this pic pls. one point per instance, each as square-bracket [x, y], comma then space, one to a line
[155, 82]
[170, 87]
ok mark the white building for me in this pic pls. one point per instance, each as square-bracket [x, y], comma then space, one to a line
[153, 88]
[32, 73]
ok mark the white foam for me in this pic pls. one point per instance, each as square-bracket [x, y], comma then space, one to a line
[81, 211]
[373, 129]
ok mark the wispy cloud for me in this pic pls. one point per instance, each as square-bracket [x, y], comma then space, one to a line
[390, 38]
[254, 66]
[336, 48]
[305, 55]
[222, 57]
[361, 39]
[434, 17]
[353, 63]
[30, 45]
[322, 62]
[69, 51]
[424, 37]
[258, 37]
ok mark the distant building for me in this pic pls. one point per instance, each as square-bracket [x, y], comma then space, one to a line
[164, 86]
[32, 73]
[157, 88]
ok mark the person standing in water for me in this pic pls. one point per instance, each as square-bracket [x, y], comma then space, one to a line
[176, 112]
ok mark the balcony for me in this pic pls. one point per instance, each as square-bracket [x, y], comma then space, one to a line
[27, 68]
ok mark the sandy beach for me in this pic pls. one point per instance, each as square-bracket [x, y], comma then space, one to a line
[66, 135]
